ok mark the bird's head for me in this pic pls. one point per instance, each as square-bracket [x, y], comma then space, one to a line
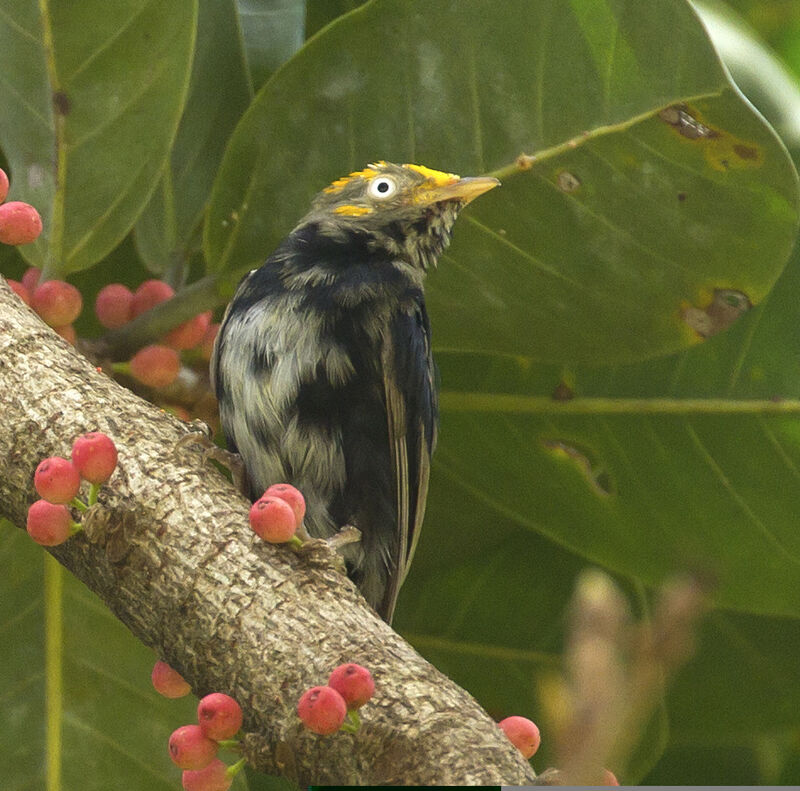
[409, 210]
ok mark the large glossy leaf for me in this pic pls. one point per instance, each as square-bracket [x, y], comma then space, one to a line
[101, 718]
[629, 216]
[678, 465]
[91, 96]
[681, 463]
[740, 689]
[79, 712]
[652, 468]
[762, 76]
[218, 95]
[272, 31]
[320, 13]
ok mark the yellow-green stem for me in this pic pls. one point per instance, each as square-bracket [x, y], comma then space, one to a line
[501, 403]
[234, 769]
[93, 490]
[525, 162]
[54, 651]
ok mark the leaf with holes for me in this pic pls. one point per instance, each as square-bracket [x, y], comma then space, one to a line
[91, 96]
[647, 185]
[688, 463]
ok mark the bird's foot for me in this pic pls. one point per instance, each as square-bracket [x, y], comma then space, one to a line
[231, 461]
[327, 549]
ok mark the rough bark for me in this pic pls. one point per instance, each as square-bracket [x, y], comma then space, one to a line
[169, 550]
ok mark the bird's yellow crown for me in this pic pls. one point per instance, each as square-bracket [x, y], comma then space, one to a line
[436, 178]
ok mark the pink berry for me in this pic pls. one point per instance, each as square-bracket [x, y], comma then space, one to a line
[522, 733]
[95, 456]
[31, 278]
[207, 344]
[322, 710]
[22, 292]
[150, 294]
[354, 683]
[156, 366]
[3, 185]
[49, 524]
[190, 333]
[67, 332]
[609, 778]
[57, 480]
[273, 519]
[168, 682]
[213, 778]
[287, 492]
[180, 412]
[189, 748]
[20, 223]
[57, 302]
[114, 305]
[220, 716]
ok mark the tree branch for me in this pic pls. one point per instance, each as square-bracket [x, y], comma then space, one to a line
[169, 551]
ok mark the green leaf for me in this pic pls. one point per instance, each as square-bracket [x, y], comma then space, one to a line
[756, 69]
[628, 216]
[77, 699]
[652, 468]
[320, 13]
[218, 95]
[91, 96]
[683, 463]
[272, 31]
[480, 610]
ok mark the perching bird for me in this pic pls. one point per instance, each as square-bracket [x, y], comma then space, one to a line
[323, 367]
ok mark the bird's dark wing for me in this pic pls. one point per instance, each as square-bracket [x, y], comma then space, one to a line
[411, 409]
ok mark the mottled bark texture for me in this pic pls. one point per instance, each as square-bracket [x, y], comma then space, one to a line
[169, 550]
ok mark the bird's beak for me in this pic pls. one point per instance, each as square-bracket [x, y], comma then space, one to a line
[461, 189]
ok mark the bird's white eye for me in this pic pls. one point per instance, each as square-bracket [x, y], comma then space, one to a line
[382, 187]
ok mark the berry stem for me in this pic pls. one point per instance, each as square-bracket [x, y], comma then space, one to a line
[354, 719]
[121, 368]
[295, 542]
[234, 769]
[234, 745]
[76, 502]
[93, 491]
[74, 527]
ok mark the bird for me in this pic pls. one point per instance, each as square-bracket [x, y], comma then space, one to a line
[323, 370]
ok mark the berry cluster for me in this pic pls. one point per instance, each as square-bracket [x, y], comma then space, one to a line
[278, 513]
[58, 303]
[327, 709]
[58, 481]
[194, 748]
[157, 365]
[20, 223]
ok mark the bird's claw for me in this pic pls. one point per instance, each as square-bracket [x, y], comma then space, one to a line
[328, 548]
[347, 535]
[231, 461]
